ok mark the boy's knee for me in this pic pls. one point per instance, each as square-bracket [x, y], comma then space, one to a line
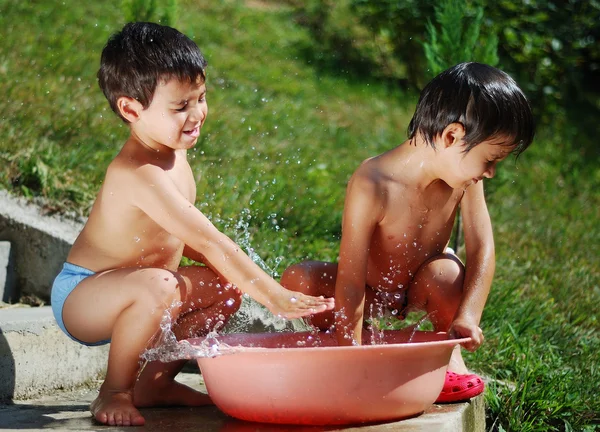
[295, 276]
[164, 288]
[231, 297]
[444, 270]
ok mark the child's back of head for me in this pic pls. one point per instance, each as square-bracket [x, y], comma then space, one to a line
[485, 100]
[140, 56]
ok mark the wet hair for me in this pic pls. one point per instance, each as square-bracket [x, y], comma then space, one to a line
[486, 101]
[142, 55]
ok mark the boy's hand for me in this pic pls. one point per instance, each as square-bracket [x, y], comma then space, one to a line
[293, 304]
[466, 328]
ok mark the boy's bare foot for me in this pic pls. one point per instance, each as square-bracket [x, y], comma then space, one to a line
[457, 364]
[169, 393]
[116, 409]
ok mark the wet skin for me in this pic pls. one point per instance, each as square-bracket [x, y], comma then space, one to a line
[398, 216]
[141, 224]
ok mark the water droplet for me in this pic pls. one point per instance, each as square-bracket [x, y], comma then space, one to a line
[136, 239]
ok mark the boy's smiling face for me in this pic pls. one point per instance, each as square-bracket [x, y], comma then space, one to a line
[175, 116]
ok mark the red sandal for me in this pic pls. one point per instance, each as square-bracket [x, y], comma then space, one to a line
[458, 388]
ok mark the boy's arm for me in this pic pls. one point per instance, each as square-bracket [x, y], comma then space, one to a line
[362, 210]
[174, 213]
[479, 244]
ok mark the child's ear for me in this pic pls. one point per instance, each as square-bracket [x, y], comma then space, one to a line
[453, 134]
[129, 108]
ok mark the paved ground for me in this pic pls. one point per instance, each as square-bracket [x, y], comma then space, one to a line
[68, 411]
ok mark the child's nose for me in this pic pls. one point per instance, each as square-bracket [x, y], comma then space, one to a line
[198, 113]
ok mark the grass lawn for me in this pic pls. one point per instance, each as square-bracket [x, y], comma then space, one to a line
[281, 140]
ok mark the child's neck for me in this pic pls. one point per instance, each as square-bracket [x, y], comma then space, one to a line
[422, 162]
[156, 148]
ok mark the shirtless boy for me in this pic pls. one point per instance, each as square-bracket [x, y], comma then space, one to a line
[122, 274]
[399, 211]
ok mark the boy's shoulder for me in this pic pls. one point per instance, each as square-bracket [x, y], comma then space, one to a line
[125, 168]
[378, 171]
[368, 179]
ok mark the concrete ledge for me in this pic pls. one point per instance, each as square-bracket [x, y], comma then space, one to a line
[68, 411]
[39, 243]
[36, 357]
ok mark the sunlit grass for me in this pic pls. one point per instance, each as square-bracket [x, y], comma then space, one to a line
[281, 140]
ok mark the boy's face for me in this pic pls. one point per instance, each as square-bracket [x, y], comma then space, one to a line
[175, 115]
[465, 169]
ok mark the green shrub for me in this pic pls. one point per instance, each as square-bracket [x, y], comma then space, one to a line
[458, 38]
[147, 10]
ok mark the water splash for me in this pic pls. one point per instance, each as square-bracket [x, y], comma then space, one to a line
[376, 311]
[166, 348]
[251, 316]
[419, 323]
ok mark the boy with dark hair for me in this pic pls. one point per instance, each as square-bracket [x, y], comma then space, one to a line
[122, 274]
[399, 212]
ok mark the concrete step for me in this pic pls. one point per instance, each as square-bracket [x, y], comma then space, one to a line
[39, 244]
[68, 411]
[36, 357]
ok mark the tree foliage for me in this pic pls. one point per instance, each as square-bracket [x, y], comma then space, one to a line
[551, 48]
[147, 10]
[458, 38]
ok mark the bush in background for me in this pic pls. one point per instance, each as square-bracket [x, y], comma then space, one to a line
[147, 11]
[458, 39]
[552, 51]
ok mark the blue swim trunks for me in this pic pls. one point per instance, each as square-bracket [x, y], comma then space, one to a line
[64, 284]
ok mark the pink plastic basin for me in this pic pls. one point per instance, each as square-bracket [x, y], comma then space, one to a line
[273, 380]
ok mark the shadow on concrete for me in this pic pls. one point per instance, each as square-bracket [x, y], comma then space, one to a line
[25, 416]
[7, 371]
[76, 417]
[233, 425]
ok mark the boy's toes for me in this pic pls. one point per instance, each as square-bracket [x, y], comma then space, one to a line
[134, 420]
[110, 419]
[137, 420]
[118, 419]
[102, 418]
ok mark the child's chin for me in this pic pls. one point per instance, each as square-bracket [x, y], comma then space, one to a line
[188, 143]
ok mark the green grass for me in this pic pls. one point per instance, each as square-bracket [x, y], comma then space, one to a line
[281, 140]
